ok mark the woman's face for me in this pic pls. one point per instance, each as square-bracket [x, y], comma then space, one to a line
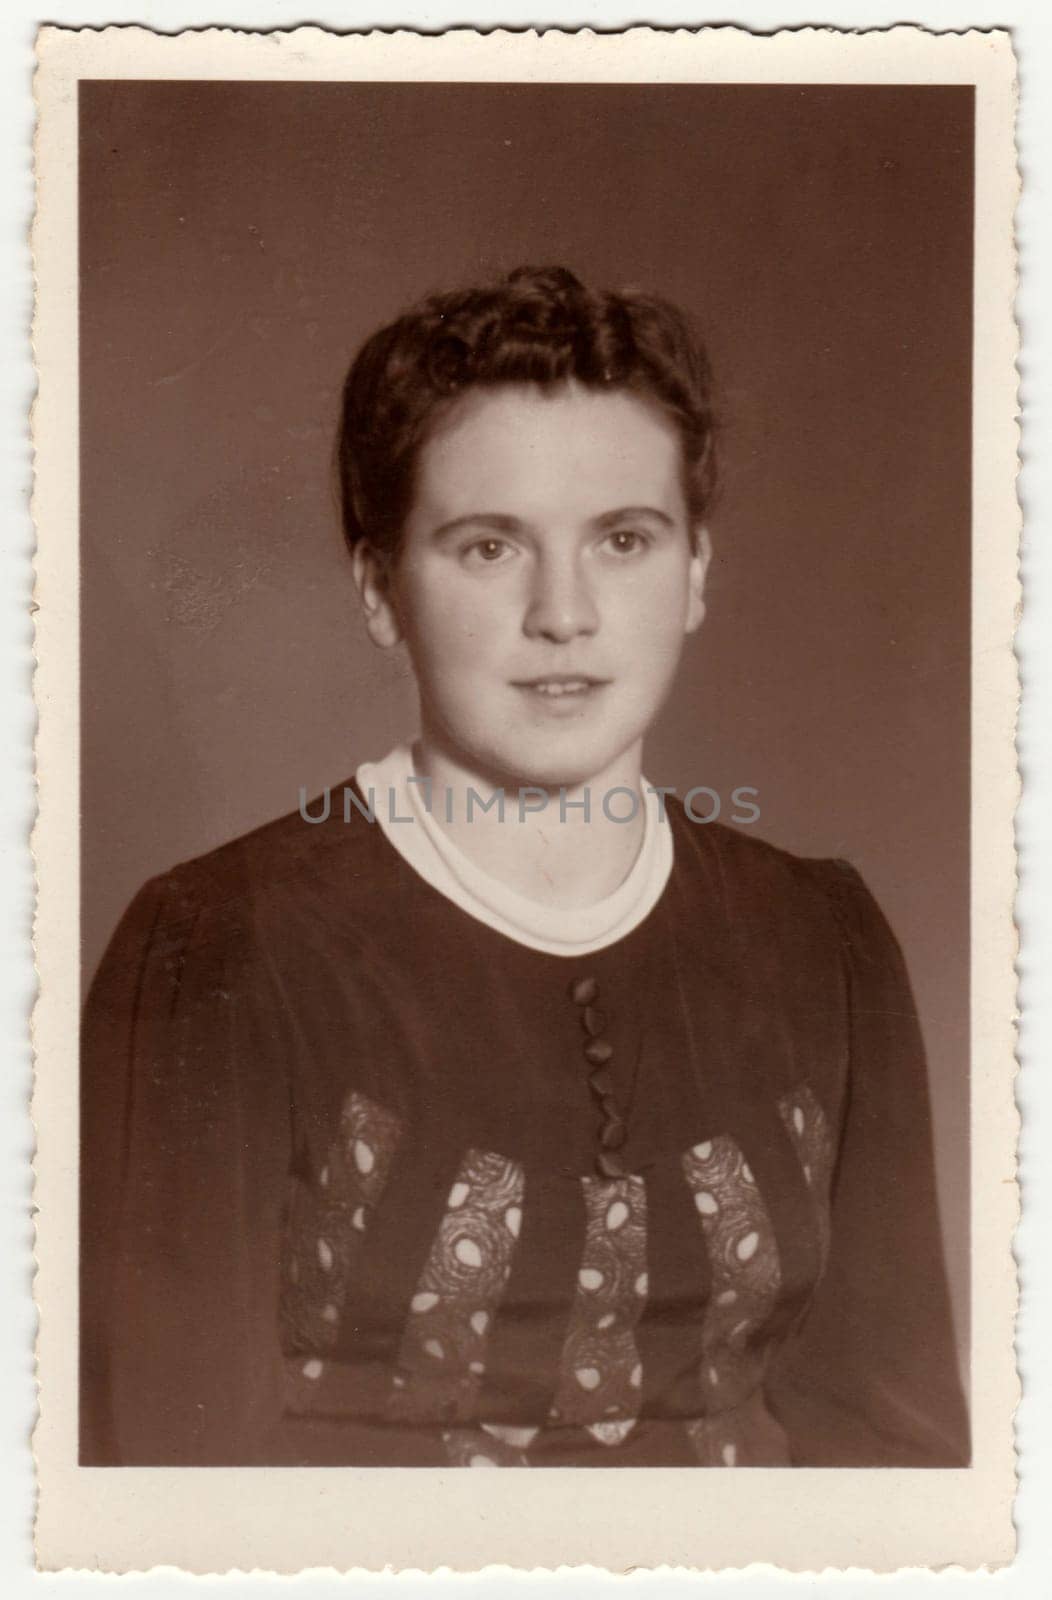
[546, 580]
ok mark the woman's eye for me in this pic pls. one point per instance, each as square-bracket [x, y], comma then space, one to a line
[487, 551]
[625, 541]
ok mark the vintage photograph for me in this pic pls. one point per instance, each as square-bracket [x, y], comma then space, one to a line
[525, 567]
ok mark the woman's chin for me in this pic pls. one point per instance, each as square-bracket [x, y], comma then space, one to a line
[552, 759]
[549, 771]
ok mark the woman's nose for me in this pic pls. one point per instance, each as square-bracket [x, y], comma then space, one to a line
[561, 604]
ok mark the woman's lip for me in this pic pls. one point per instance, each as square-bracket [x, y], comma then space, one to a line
[564, 691]
[560, 680]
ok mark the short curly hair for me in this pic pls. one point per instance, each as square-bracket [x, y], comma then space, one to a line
[537, 326]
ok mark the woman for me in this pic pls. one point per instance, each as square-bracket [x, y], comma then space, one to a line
[490, 1110]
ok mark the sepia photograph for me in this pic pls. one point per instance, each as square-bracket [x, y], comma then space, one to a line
[499, 1104]
[524, 810]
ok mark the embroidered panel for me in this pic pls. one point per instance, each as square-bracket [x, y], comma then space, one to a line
[488, 1447]
[600, 1376]
[747, 1436]
[442, 1356]
[806, 1125]
[713, 1441]
[746, 1271]
[327, 1223]
[321, 1386]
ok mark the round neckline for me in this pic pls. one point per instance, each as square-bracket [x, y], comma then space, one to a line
[567, 933]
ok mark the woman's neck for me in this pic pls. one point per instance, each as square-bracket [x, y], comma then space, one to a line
[566, 850]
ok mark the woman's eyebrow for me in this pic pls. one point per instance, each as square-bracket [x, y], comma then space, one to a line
[495, 521]
[501, 522]
[623, 513]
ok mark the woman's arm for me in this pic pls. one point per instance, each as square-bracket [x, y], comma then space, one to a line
[183, 1163]
[871, 1377]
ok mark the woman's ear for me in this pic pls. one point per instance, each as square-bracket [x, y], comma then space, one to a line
[372, 575]
[699, 566]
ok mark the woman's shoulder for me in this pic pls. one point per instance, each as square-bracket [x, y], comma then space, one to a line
[322, 837]
[766, 887]
[229, 897]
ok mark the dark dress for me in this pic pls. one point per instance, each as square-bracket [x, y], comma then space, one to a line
[366, 1182]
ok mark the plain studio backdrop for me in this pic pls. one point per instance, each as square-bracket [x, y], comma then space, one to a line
[238, 241]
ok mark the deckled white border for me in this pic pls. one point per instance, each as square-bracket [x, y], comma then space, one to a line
[288, 1519]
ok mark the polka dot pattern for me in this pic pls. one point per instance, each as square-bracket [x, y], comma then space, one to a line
[746, 1272]
[600, 1375]
[744, 1436]
[806, 1125]
[442, 1361]
[327, 1221]
[442, 1357]
[612, 1433]
[518, 1438]
[486, 1447]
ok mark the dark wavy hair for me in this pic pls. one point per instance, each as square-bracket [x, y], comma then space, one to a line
[538, 326]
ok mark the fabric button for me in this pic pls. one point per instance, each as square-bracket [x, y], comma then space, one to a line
[593, 1021]
[598, 1051]
[610, 1165]
[600, 1081]
[583, 991]
[613, 1136]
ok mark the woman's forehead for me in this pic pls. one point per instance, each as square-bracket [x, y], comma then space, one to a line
[507, 449]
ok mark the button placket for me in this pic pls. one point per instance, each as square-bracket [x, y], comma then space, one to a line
[598, 1052]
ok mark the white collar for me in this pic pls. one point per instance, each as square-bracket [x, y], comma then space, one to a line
[402, 813]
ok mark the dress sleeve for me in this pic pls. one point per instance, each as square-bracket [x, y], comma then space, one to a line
[871, 1376]
[184, 1159]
